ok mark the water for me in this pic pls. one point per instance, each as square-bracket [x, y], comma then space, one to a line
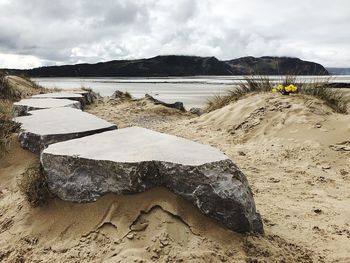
[192, 91]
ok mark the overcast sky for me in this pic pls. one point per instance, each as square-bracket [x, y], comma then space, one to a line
[41, 32]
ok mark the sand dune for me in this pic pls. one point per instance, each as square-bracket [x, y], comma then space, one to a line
[286, 146]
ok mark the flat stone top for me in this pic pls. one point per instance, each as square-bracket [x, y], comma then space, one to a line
[61, 121]
[45, 103]
[59, 95]
[136, 144]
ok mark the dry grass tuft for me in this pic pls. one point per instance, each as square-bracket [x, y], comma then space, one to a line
[322, 89]
[33, 83]
[91, 96]
[10, 90]
[7, 126]
[121, 95]
[249, 85]
[6, 90]
[334, 98]
[51, 90]
[33, 185]
[127, 95]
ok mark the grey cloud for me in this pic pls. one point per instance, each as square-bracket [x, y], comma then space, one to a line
[70, 31]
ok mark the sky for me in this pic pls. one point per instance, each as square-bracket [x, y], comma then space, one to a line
[37, 33]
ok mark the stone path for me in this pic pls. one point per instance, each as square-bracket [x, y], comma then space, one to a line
[22, 107]
[44, 127]
[133, 160]
[79, 96]
[85, 157]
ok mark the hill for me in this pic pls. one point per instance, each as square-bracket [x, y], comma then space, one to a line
[275, 66]
[163, 66]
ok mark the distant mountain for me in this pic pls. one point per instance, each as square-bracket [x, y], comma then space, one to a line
[339, 71]
[163, 66]
[275, 66]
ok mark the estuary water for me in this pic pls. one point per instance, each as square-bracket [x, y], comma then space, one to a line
[192, 91]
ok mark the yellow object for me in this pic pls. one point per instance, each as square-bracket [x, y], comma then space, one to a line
[289, 89]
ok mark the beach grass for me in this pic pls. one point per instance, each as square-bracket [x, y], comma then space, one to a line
[7, 126]
[321, 89]
[33, 185]
[7, 92]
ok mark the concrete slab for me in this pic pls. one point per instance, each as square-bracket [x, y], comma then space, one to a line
[22, 107]
[63, 95]
[89, 96]
[136, 144]
[44, 127]
[133, 160]
[58, 95]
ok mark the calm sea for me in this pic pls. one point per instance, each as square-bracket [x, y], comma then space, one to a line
[192, 91]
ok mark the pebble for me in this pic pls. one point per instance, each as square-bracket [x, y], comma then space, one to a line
[274, 180]
[241, 153]
[326, 166]
[130, 235]
[318, 211]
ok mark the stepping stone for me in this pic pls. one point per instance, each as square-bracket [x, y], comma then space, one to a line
[44, 127]
[133, 160]
[62, 95]
[89, 97]
[22, 107]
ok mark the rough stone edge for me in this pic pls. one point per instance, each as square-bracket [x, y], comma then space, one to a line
[23, 110]
[82, 100]
[97, 178]
[37, 143]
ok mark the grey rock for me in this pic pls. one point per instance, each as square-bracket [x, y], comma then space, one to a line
[176, 105]
[121, 95]
[89, 95]
[44, 127]
[133, 160]
[22, 107]
[63, 95]
[197, 111]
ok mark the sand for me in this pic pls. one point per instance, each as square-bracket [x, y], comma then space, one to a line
[293, 151]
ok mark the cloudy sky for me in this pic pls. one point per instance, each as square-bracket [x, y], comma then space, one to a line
[41, 32]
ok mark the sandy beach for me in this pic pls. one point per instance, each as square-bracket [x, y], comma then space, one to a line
[294, 151]
[161, 131]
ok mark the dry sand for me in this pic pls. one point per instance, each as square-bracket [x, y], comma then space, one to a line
[293, 150]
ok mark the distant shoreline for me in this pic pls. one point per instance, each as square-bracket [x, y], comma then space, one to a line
[181, 66]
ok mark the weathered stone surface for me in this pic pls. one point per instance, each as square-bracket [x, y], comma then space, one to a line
[121, 95]
[44, 127]
[62, 95]
[176, 105]
[197, 111]
[89, 95]
[22, 107]
[58, 95]
[133, 160]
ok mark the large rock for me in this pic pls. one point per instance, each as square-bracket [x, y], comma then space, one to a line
[44, 127]
[62, 95]
[89, 95]
[197, 111]
[133, 160]
[22, 107]
[177, 105]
